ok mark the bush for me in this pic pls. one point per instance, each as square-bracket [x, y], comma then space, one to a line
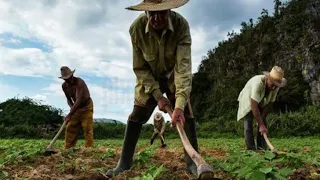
[27, 111]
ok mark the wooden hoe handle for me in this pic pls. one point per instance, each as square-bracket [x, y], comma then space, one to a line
[57, 135]
[204, 170]
[268, 142]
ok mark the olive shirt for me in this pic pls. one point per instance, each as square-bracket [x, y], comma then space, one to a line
[156, 58]
[255, 89]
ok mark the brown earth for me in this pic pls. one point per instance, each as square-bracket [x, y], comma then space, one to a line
[306, 173]
[81, 165]
[92, 163]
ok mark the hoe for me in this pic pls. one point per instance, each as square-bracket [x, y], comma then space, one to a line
[205, 172]
[272, 149]
[49, 150]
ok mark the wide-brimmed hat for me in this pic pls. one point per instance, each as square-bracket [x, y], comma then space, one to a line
[158, 116]
[157, 5]
[276, 75]
[66, 72]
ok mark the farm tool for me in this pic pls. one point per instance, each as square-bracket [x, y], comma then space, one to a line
[205, 172]
[272, 149]
[163, 145]
[49, 150]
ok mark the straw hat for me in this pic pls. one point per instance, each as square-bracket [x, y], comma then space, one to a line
[276, 76]
[66, 72]
[157, 5]
[158, 116]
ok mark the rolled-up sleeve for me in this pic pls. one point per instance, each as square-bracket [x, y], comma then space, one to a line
[143, 73]
[183, 68]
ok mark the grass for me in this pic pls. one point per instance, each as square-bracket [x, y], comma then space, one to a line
[24, 159]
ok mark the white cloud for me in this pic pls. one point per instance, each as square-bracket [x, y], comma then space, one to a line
[25, 62]
[40, 97]
[54, 89]
[7, 92]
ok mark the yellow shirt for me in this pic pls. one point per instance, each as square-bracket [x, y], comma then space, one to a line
[255, 89]
[168, 56]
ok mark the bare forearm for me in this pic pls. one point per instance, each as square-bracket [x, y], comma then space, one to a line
[266, 110]
[257, 115]
[74, 108]
[256, 112]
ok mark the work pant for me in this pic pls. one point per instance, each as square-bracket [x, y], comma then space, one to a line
[155, 134]
[248, 133]
[83, 117]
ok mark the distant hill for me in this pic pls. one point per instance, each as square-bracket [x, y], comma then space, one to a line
[107, 120]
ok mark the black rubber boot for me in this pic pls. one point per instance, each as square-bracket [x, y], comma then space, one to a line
[190, 129]
[132, 134]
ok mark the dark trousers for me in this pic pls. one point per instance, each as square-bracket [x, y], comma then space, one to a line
[154, 136]
[248, 133]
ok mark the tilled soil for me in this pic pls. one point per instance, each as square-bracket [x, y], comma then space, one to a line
[81, 165]
[91, 164]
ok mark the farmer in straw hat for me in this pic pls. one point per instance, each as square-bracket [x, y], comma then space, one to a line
[159, 127]
[161, 45]
[255, 102]
[81, 104]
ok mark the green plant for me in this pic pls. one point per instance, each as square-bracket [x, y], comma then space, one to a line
[152, 173]
[142, 157]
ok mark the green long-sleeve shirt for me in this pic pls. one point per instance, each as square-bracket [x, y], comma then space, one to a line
[155, 58]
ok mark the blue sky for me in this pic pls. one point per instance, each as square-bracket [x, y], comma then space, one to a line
[9, 40]
[38, 37]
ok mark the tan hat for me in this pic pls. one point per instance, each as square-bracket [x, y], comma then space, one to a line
[157, 5]
[276, 76]
[158, 116]
[66, 73]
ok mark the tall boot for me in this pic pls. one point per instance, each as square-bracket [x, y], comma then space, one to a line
[132, 134]
[190, 129]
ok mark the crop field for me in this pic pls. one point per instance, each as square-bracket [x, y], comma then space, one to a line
[24, 159]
